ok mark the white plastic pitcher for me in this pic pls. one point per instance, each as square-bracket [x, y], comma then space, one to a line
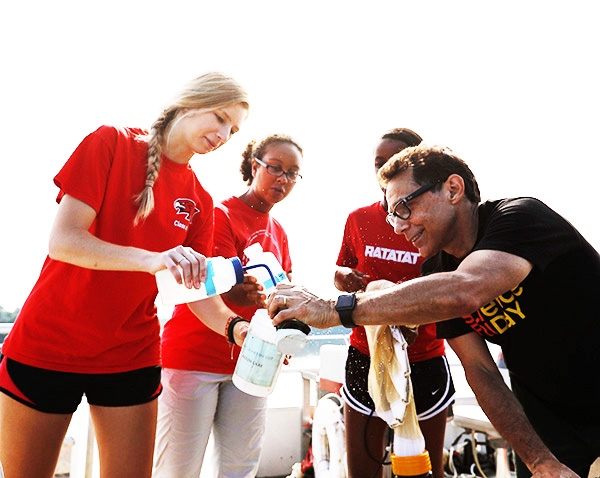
[270, 276]
[259, 362]
[221, 275]
[291, 336]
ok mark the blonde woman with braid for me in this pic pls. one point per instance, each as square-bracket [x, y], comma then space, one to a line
[129, 206]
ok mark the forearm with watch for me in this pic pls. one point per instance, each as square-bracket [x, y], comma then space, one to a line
[416, 302]
[345, 305]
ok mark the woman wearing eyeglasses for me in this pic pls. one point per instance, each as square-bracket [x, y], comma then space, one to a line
[198, 363]
[371, 251]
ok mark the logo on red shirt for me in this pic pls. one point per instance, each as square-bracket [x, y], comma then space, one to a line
[187, 207]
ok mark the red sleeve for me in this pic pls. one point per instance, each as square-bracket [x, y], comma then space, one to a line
[85, 174]
[347, 256]
[286, 261]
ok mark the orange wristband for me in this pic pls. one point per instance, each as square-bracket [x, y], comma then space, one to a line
[234, 319]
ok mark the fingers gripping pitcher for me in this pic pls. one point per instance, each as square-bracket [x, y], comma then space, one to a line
[221, 275]
[265, 347]
[291, 334]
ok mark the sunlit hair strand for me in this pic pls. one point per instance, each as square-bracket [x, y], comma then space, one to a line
[208, 92]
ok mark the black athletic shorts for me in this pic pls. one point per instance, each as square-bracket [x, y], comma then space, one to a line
[433, 389]
[61, 392]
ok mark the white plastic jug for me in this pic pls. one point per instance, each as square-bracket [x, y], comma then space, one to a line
[221, 275]
[268, 276]
[292, 335]
[259, 362]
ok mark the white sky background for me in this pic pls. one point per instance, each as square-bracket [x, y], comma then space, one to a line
[513, 88]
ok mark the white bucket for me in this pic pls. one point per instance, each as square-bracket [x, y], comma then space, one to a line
[259, 362]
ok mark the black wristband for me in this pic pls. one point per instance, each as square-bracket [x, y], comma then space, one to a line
[231, 324]
[344, 306]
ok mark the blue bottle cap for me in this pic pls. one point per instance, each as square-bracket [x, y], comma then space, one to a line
[238, 269]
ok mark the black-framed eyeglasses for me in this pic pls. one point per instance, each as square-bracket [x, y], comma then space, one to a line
[401, 209]
[291, 174]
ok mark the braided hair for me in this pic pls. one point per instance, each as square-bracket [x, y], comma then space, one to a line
[207, 92]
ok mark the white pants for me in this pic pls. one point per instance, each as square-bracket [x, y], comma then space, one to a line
[193, 403]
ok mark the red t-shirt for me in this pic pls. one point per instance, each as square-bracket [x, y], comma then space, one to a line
[188, 344]
[371, 246]
[90, 321]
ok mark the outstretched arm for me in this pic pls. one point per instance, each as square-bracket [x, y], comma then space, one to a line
[480, 278]
[71, 242]
[503, 409]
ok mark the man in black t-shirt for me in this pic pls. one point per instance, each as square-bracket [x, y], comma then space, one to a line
[512, 272]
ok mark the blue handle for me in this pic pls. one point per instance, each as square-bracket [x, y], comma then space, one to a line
[274, 281]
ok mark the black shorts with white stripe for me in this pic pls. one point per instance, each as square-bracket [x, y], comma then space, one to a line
[433, 389]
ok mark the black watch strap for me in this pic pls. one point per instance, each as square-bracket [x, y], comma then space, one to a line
[344, 306]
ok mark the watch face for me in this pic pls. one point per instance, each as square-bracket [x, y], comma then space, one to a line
[345, 302]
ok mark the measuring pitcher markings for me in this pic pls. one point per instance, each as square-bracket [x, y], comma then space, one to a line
[259, 363]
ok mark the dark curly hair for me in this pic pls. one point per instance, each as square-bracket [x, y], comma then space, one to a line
[430, 164]
[407, 136]
[257, 150]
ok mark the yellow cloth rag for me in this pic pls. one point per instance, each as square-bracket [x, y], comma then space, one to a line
[389, 374]
[391, 389]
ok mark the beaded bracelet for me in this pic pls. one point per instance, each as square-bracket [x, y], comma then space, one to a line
[234, 319]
